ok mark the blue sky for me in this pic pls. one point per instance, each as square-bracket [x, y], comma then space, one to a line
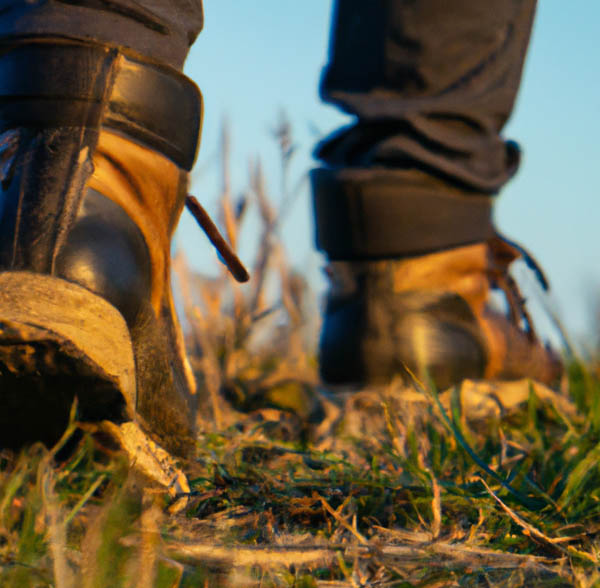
[255, 59]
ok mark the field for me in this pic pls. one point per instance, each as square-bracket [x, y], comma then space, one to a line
[298, 485]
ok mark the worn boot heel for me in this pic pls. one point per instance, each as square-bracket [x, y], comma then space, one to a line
[58, 342]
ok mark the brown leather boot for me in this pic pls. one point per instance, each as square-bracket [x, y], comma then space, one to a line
[429, 314]
[96, 147]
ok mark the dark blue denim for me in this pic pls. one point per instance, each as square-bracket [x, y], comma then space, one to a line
[431, 82]
[160, 29]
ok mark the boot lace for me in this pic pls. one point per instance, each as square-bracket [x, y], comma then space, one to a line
[231, 260]
[504, 252]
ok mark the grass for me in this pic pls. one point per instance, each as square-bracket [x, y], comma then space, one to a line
[387, 489]
[296, 485]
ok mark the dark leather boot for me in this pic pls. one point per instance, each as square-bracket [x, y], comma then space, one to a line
[95, 149]
[429, 315]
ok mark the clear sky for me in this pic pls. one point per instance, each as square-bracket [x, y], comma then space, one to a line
[255, 59]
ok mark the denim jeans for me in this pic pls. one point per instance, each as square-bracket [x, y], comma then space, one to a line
[160, 29]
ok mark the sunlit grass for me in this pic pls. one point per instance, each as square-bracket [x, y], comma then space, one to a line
[387, 487]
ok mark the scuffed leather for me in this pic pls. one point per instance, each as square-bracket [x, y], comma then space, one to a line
[41, 194]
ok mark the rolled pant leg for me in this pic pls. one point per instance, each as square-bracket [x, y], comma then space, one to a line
[162, 30]
[432, 84]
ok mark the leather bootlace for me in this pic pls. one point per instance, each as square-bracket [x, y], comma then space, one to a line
[504, 252]
[231, 260]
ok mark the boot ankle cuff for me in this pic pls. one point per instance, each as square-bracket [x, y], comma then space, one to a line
[83, 84]
[381, 213]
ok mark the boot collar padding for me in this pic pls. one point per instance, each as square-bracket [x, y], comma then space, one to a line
[68, 83]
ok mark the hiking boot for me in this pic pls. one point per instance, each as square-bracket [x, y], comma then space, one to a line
[95, 148]
[430, 315]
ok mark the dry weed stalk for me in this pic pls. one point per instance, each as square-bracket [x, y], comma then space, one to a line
[230, 326]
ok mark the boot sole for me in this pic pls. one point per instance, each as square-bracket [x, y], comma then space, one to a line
[59, 342]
